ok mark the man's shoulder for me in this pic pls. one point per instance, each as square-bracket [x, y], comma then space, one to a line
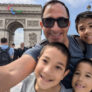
[34, 51]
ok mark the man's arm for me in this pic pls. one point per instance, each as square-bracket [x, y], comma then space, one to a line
[16, 71]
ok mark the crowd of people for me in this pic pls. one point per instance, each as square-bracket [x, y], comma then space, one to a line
[18, 52]
[62, 63]
[10, 53]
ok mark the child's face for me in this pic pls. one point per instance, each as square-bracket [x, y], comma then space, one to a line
[50, 69]
[85, 30]
[82, 79]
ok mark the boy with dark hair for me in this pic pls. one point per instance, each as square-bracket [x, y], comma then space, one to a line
[84, 28]
[82, 77]
[51, 68]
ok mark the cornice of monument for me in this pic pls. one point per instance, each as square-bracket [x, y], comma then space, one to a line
[23, 5]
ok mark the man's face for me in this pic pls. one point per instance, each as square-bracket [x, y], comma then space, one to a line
[85, 30]
[55, 33]
[50, 69]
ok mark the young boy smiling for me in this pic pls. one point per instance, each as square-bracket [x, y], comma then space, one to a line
[82, 78]
[50, 70]
[84, 28]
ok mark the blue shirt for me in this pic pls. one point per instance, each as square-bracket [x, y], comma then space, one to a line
[11, 50]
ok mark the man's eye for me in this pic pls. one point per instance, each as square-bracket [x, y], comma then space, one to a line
[90, 26]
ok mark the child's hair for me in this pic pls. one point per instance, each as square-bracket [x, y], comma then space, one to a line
[61, 47]
[83, 15]
[84, 60]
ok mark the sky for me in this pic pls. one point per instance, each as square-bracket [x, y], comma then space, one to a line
[74, 6]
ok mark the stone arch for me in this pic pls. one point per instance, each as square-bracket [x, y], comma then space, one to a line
[28, 19]
[11, 30]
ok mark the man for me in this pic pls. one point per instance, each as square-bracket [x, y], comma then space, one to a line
[15, 51]
[22, 49]
[57, 15]
[6, 53]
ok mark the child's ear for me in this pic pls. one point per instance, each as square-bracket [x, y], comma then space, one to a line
[38, 58]
[66, 72]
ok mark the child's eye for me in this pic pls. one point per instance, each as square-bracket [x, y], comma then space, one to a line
[88, 76]
[44, 60]
[76, 73]
[58, 67]
[82, 29]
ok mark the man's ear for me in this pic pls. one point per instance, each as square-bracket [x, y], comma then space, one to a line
[66, 72]
[41, 24]
[69, 23]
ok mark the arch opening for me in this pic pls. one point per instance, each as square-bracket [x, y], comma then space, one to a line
[15, 33]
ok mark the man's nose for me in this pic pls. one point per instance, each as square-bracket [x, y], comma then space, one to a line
[55, 27]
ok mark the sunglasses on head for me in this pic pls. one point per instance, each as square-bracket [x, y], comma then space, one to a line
[61, 21]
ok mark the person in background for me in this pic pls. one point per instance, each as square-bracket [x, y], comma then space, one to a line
[22, 49]
[6, 53]
[15, 51]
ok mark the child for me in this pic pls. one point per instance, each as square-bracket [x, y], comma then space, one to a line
[50, 70]
[84, 28]
[82, 78]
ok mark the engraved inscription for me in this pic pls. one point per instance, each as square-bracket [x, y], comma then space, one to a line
[32, 23]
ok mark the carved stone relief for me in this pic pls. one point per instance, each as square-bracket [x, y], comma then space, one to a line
[8, 21]
[32, 23]
[1, 23]
[32, 39]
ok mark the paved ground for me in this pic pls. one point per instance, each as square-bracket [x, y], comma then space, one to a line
[16, 88]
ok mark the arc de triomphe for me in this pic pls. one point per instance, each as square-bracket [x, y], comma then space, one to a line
[26, 16]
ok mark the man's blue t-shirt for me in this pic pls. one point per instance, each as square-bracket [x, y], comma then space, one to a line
[76, 54]
[74, 48]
